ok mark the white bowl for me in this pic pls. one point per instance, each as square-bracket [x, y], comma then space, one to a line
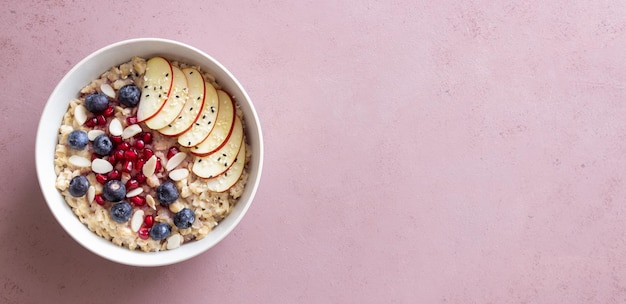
[90, 68]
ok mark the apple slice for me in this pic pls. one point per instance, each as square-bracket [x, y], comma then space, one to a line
[174, 104]
[229, 178]
[201, 128]
[222, 129]
[191, 109]
[217, 163]
[157, 85]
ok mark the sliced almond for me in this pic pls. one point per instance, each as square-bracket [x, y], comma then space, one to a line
[94, 133]
[137, 220]
[107, 90]
[149, 166]
[134, 192]
[176, 206]
[115, 127]
[79, 161]
[179, 174]
[80, 114]
[101, 166]
[176, 160]
[91, 194]
[174, 241]
[150, 201]
[131, 131]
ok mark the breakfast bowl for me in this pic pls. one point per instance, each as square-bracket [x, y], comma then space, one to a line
[193, 204]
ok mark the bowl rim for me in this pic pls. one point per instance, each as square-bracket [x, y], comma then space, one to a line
[137, 257]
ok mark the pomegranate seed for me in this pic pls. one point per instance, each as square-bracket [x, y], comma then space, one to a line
[147, 153]
[123, 146]
[116, 139]
[146, 137]
[118, 154]
[115, 174]
[158, 165]
[140, 177]
[139, 144]
[132, 184]
[144, 233]
[148, 220]
[139, 164]
[138, 200]
[99, 199]
[131, 120]
[112, 159]
[108, 112]
[94, 156]
[91, 122]
[101, 120]
[172, 151]
[101, 178]
[127, 166]
[130, 154]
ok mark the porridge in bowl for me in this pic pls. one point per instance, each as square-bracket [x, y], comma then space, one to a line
[152, 154]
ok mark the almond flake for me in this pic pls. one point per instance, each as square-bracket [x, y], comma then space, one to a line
[107, 90]
[94, 133]
[131, 131]
[79, 161]
[137, 220]
[149, 166]
[174, 241]
[150, 201]
[91, 194]
[179, 174]
[176, 206]
[176, 160]
[101, 166]
[80, 114]
[115, 127]
[134, 192]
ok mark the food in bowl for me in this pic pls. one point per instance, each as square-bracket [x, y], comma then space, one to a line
[152, 154]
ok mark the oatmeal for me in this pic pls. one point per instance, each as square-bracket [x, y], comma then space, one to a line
[152, 154]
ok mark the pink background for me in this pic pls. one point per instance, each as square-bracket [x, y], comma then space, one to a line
[416, 151]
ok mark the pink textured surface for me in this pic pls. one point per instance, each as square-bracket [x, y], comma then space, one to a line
[416, 152]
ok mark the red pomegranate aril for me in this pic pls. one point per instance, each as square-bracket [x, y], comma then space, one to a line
[92, 122]
[147, 153]
[108, 112]
[116, 139]
[94, 156]
[139, 176]
[158, 165]
[130, 154]
[101, 120]
[101, 178]
[139, 144]
[148, 220]
[115, 174]
[139, 164]
[131, 120]
[172, 151]
[132, 184]
[123, 146]
[112, 159]
[146, 137]
[99, 199]
[127, 166]
[138, 200]
[144, 233]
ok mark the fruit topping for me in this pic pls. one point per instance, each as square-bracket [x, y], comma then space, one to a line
[114, 191]
[144, 233]
[137, 200]
[79, 186]
[148, 221]
[160, 231]
[129, 95]
[121, 212]
[166, 193]
[77, 139]
[172, 151]
[96, 102]
[183, 219]
[102, 145]
[99, 199]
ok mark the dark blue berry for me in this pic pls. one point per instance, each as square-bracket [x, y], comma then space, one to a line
[77, 139]
[184, 218]
[96, 102]
[129, 95]
[166, 193]
[78, 186]
[160, 231]
[121, 212]
[114, 191]
[102, 145]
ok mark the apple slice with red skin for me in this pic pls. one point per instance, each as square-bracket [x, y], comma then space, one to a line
[224, 123]
[193, 106]
[174, 104]
[203, 125]
[228, 179]
[157, 85]
[217, 163]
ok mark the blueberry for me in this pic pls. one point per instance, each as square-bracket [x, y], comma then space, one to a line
[102, 145]
[129, 95]
[96, 102]
[78, 186]
[114, 191]
[121, 212]
[166, 193]
[160, 231]
[77, 139]
[184, 218]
